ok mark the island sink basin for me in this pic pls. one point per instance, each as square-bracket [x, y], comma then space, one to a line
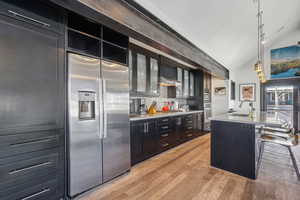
[240, 114]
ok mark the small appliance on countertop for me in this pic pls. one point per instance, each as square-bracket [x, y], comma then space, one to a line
[152, 108]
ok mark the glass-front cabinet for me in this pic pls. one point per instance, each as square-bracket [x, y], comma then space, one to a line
[154, 76]
[192, 84]
[179, 88]
[186, 84]
[141, 73]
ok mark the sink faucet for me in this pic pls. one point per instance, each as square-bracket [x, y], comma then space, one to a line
[252, 109]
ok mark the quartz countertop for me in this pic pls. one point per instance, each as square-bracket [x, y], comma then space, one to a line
[260, 118]
[162, 114]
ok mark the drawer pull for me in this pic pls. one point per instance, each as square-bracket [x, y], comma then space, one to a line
[189, 128]
[29, 18]
[165, 120]
[165, 135]
[30, 142]
[36, 194]
[28, 168]
[165, 127]
[190, 121]
[190, 135]
[165, 145]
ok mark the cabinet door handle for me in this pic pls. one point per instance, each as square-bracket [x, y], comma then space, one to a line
[36, 194]
[189, 135]
[28, 168]
[29, 18]
[165, 135]
[30, 142]
[165, 145]
[147, 127]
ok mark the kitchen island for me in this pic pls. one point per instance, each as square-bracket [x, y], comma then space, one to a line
[234, 141]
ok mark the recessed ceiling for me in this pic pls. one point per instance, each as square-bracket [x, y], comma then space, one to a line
[226, 30]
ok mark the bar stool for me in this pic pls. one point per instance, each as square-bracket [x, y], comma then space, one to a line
[284, 136]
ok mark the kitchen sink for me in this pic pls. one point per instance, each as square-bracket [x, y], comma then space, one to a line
[240, 114]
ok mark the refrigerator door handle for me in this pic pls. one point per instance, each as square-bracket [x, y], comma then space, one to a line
[100, 109]
[104, 110]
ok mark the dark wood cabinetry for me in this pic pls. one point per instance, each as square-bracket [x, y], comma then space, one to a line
[149, 137]
[144, 68]
[143, 140]
[137, 130]
[32, 134]
[90, 38]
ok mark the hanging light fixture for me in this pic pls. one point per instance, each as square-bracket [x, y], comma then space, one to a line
[259, 65]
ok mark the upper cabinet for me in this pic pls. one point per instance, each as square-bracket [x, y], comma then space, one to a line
[150, 73]
[154, 76]
[115, 46]
[192, 85]
[186, 84]
[144, 67]
[90, 38]
[179, 88]
[141, 68]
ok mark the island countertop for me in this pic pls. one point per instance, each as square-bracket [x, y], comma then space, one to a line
[162, 114]
[260, 118]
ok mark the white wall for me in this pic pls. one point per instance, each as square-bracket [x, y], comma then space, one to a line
[246, 74]
[220, 104]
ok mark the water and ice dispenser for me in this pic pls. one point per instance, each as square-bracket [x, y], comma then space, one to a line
[87, 101]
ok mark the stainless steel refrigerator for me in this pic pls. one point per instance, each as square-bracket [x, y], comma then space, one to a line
[98, 116]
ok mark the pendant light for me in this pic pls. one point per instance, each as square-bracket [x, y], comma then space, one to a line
[259, 65]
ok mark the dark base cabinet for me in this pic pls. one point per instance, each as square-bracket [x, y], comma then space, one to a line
[150, 137]
[143, 140]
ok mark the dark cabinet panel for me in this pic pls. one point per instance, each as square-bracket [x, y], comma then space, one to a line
[46, 190]
[150, 139]
[32, 104]
[35, 12]
[137, 130]
[84, 25]
[83, 44]
[178, 129]
[32, 79]
[21, 143]
[144, 140]
[114, 53]
[198, 124]
[115, 37]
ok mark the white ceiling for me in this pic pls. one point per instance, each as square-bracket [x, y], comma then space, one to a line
[227, 29]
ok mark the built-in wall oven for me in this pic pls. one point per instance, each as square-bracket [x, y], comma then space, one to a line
[207, 112]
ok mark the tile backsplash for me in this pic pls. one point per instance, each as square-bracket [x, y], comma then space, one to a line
[160, 101]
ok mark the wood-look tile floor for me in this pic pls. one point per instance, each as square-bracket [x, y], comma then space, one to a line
[184, 173]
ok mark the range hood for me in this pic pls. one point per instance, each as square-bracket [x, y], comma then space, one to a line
[169, 82]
